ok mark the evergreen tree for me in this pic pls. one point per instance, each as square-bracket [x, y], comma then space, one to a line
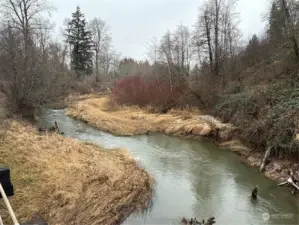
[81, 41]
[252, 50]
[276, 30]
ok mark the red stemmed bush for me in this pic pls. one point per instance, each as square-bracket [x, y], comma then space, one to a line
[136, 90]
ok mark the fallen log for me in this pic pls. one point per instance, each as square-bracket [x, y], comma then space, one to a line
[173, 104]
[198, 97]
[291, 182]
[265, 159]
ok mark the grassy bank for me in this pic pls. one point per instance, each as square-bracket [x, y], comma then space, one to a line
[101, 113]
[69, 182]
[127, 121]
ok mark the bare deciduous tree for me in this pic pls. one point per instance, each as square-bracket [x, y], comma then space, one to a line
[216, 32]
[183, 50]
[25, 15]
[29, 66]
[102, 46]
[166, 55]
[153, 50]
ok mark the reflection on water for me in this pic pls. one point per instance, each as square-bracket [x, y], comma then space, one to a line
[194, 179]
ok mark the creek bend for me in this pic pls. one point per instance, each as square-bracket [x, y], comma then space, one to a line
[194, 178]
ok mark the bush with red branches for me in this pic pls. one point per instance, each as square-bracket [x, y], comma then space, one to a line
[135, 90]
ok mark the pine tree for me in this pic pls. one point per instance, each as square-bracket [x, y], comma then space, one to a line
[276, 30]
[81, 41]
[252, 50]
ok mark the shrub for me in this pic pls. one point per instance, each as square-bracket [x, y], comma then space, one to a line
[267, 117]
[135, 90]
[81, 87]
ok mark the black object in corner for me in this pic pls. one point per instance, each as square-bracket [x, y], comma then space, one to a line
[5, 182]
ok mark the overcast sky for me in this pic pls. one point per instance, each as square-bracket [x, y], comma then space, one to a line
[134, 22]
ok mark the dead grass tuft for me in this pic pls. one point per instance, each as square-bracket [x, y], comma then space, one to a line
[69, 182]
[126, 121]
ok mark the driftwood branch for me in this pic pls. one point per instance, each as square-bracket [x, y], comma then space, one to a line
[265, 159]
[291, 181]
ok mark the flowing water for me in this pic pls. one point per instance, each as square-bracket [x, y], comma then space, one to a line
[194, 179]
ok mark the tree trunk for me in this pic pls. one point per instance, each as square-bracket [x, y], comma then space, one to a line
[97, 65]
[208, 33]
[170, 75]
[216, 37]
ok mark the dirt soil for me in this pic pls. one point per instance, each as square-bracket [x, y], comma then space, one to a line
[70, 182]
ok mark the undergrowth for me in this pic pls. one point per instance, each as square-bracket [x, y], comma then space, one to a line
[267, 116]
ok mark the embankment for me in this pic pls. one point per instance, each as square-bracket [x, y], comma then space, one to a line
[70, 182]
[127, 121]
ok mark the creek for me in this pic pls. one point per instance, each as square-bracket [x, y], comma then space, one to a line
[193, 178]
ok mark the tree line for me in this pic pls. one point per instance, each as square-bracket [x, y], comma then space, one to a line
[213, 49]
[253, 85]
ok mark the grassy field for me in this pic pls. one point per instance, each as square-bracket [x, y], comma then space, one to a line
[69, 182]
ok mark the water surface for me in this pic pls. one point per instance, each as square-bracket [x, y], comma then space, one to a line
[194, 179]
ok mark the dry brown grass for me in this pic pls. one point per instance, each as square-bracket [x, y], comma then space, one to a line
[102, 113]
[69, 182]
